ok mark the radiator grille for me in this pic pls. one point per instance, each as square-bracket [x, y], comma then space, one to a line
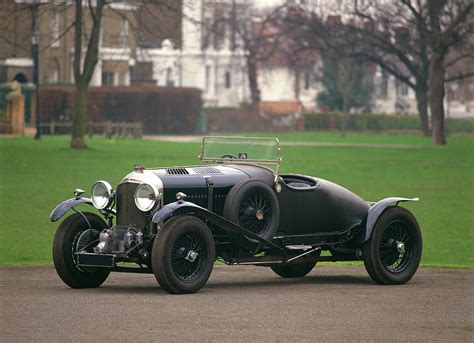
[177, 171]
[127, 211]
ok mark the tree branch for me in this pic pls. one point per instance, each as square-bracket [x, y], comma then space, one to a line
[459, 77]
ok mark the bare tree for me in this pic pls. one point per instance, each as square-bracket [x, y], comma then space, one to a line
[84, 67]
[411, 40]
[450, 25]
[392, 37]
[259, 36]
[345, 79]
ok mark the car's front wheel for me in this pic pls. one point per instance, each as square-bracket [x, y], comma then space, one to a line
[183, 255]
[74, 235]
[393, 253]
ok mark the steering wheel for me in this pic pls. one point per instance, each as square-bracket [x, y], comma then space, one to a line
[229, 156]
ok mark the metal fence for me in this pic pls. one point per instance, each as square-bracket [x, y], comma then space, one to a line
[108, 129]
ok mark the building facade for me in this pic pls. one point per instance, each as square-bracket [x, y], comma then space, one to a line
[186, 43]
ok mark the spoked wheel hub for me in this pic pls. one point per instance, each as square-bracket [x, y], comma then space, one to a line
[395, 247]
[255, 212]
[188, 256]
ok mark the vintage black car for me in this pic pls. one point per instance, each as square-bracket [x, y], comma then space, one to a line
[235, 206]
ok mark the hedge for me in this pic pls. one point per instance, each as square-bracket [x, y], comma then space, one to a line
[160, 109]
[378, 122]
[4, 90]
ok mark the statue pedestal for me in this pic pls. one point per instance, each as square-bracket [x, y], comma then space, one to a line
[15, 112]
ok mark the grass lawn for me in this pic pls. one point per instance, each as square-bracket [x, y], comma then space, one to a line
[36, 176]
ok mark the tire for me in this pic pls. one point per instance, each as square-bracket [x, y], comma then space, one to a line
[173, 271]
[294, 270]
[387, 262]
[65, 245]
[240, 208]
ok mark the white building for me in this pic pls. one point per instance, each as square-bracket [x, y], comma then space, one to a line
[206, 60]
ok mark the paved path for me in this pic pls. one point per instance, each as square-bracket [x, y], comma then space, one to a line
[198, 139]
[244, 304]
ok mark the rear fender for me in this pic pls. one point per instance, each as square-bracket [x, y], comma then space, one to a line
[188, 208]
[376, 210]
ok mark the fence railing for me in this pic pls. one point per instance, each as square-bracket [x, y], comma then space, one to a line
[109, 129]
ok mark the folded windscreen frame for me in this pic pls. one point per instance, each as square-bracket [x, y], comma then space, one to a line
[255, 150]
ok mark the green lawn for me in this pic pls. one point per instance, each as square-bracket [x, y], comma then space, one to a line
[35, 176]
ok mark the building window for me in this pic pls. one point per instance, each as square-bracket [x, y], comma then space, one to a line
[124, 33]
[55, 30]
[384, 85]
[208, 78]
[208, 32]
[307, 80]
[221, 33]
[228, 80]
[53, 74]
[403, 89]
[169, 77]
[107, 79]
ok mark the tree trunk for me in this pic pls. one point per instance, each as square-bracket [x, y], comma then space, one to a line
[253, 81]
[79, 116]
[345, 118]
[436, 97]
[422, 105]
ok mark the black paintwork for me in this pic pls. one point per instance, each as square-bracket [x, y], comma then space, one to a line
[322, 207]
[313, 211]
[65, 206]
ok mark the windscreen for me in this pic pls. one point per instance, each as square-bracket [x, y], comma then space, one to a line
[241, 149]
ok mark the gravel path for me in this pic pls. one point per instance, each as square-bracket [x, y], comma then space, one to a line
[241, 303]
[198, 139]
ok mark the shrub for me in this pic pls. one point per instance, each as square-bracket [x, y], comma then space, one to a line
[161, 109]
[378, 122]
[460, 125]
[4, 90]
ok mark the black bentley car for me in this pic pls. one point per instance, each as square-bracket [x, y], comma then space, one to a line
[234, 206]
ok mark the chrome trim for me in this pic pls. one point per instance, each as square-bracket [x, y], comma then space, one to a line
[147, 176]
[110, 193]
[156, 196]
[78, 192]
[303, 254]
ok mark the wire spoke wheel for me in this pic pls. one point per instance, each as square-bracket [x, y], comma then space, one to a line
[188, 257]
[393, 252]
[73, 235]
[183, 255]
[253, 205]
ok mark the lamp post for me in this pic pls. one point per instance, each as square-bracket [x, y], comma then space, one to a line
[34, 39]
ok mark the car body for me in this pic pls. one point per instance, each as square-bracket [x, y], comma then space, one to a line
[235, 206]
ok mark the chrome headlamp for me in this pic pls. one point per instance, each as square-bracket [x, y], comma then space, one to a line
[146, 196]
[102, 194]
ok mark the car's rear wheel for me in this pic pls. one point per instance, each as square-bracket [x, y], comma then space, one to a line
[253, 205]
[393, 253]
[74, 235]
[293, 270]
[183, 255]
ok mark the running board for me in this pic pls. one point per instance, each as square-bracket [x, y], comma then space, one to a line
[319, 239]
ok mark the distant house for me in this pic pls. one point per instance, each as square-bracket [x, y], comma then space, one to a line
[56, 43]
[206, 54]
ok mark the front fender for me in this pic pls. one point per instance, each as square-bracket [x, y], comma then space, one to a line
[65, 206]
[377, 209]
